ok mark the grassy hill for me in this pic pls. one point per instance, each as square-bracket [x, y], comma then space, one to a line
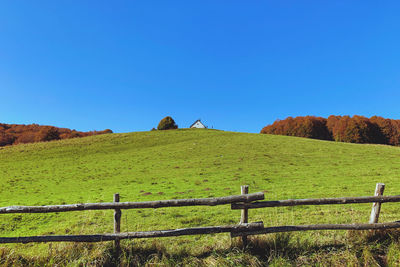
[186, 164]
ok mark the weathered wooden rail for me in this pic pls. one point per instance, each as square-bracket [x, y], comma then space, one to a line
[244, 202]
[316, 201]
[146, 234]
[295, 228]
[135, 205]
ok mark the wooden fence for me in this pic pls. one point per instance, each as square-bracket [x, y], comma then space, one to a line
[243, 202]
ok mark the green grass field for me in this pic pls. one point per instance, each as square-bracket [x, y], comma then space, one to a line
[189, 164]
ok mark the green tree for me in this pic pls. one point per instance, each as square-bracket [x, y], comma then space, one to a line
[167, 123]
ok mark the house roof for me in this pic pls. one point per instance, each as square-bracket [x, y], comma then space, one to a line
[196, 122]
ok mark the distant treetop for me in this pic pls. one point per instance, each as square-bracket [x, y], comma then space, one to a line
[356, 129]
[12, 134]
[167, 123]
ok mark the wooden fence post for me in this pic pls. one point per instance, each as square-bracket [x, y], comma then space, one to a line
[376, 206]
[117, 225]
[244, 218]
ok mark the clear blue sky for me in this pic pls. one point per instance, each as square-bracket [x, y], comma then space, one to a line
[237, 65]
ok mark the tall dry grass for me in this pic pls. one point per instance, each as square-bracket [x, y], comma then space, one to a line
[366, 248]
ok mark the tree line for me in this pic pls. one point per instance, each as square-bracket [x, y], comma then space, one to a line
[12, 134]
[356, 129]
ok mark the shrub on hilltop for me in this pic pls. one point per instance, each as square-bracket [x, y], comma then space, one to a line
[167, 123]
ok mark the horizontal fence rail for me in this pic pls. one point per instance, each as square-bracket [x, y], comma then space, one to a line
[296, 228]
[135, 205]
[315, 201]
[130, 235]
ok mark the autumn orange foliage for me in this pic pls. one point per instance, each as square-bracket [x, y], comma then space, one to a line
[12, 134]
[356, 129]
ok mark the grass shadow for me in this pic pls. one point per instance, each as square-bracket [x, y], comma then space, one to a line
[358, 248]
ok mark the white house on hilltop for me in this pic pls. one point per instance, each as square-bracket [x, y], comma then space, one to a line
[198, 124]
